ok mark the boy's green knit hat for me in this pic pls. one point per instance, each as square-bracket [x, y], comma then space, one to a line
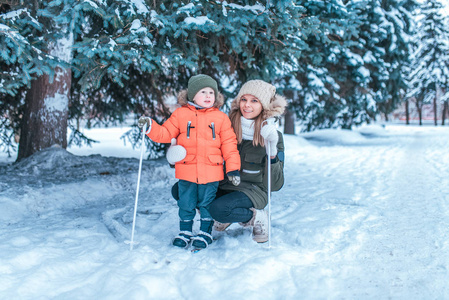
[198, 82]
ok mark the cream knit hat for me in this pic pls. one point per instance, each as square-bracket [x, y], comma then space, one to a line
[260, 89]
[272, 103]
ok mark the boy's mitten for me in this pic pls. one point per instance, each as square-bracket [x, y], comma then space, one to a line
[234, 177]
[145, 120]
[175, 152]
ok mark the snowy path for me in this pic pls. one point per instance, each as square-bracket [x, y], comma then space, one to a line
[359, 217]
[411, 240]
[390, 237]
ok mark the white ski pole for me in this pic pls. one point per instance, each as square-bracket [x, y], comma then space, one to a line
[269, 194]
[269, 121]
[131, 243]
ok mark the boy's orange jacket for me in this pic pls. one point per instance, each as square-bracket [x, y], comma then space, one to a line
[208, 138]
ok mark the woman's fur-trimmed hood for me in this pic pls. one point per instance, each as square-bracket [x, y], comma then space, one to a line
[183, 100]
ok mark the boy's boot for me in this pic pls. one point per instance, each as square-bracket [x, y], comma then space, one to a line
[185, 235]
[204, 237]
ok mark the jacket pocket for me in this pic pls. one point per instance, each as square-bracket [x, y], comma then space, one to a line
[187, 160]
[253, 158]
[252, 168]
[215, 159]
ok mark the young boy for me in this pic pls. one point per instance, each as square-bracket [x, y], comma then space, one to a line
[208, 138]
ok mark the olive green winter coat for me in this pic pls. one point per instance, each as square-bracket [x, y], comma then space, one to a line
[253, 172]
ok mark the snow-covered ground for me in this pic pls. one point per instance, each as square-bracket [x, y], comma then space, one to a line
[362, 215]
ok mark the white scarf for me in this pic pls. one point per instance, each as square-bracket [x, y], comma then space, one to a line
[247, 129]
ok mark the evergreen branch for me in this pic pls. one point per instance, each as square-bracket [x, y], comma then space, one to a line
[78, 139]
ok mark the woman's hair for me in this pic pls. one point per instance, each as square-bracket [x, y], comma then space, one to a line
[235, 116]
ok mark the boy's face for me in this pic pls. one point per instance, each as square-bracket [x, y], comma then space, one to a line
[205, 97]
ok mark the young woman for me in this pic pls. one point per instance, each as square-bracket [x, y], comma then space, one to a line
[256, 102]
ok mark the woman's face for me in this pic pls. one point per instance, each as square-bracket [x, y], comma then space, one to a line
[250, 106]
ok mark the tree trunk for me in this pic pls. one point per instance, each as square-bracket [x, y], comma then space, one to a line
[419, 114]
[446, 103]
[435, 117]
[46, 112]
[44, 123]
[445, 112]
[407, 113]
[289, 126]
[419, 109]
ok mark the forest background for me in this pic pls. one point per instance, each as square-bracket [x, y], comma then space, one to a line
[340, 63]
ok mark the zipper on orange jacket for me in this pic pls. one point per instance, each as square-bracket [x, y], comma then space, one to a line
[189, 125]
[213, 130]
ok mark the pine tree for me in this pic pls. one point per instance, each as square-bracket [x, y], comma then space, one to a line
[147, 56]
[21, 60]
[430, 72]
[371, 37]
[330, 79]
[397, 23]
[340, 62]
[133, 56]
[46, 104]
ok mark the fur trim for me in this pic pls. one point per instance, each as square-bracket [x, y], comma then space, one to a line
[183, 100]
[276, 107]
[182, 97]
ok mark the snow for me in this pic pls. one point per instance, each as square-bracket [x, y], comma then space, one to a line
[62, 48]
[364, 72]
[141, 6]
[112, 43]
[256, 9]
[93, 4]
[59, 102]
[13, 14]
[154, 19]
[4, 27]
[136, 25]
[13, 34]
[186, 8]
[363, 214]
[315, 81]
[201, 20]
